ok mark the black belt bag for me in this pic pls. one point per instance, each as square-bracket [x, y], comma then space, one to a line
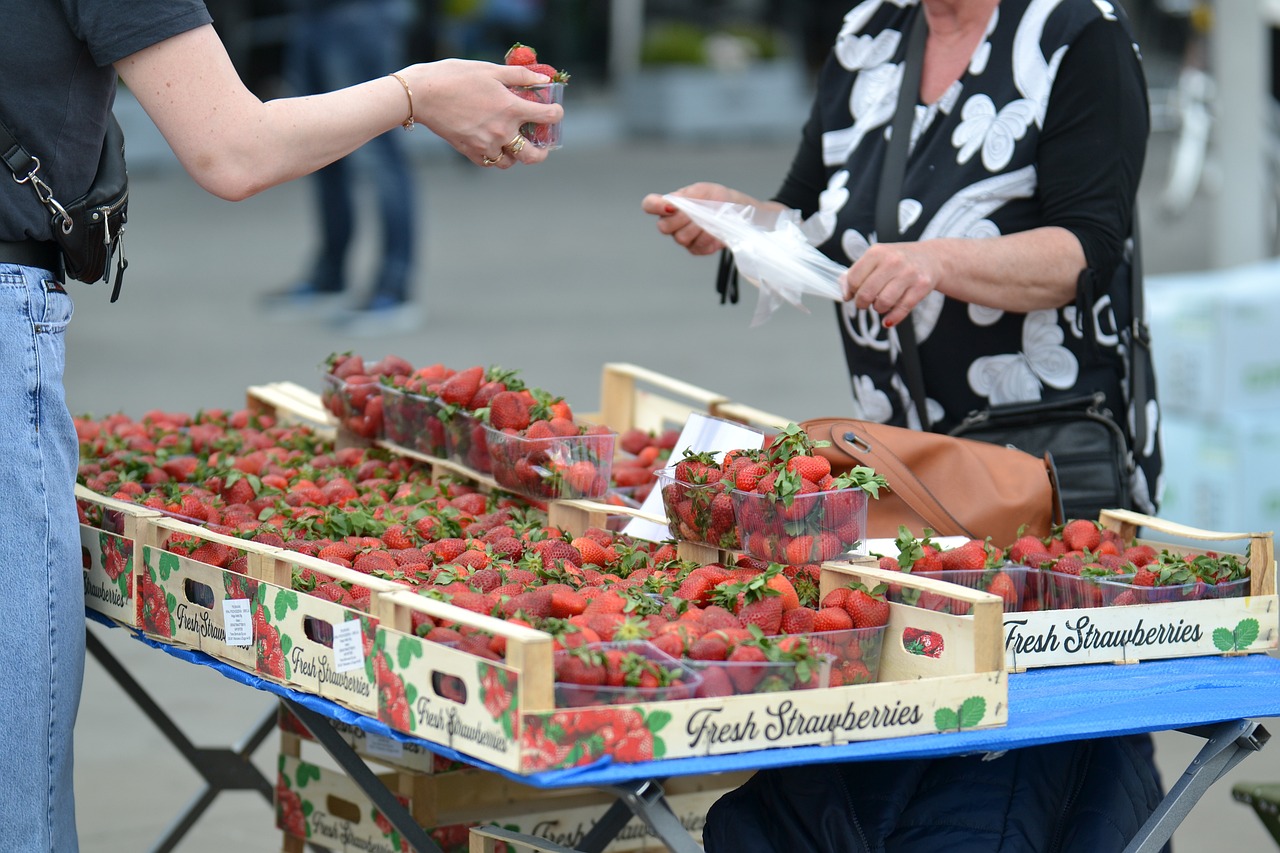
[1091, 456]
[88, 231]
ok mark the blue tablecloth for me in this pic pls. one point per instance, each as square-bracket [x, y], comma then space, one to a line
[1045, 705]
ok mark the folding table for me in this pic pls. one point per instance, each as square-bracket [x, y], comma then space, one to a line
[1219, 698]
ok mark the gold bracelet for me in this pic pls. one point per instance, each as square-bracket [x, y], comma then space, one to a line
[407, 124]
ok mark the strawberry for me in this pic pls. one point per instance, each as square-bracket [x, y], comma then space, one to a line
[967, 557]
[798, 620]
[1002, 585]
[868, 608]
[459, 389]
[509, 410]
[765, 612]
[556, 75]
[520, 54]
[832, 619]
[1081, 535]
[745, 676]
[715, 683]
[811, 468]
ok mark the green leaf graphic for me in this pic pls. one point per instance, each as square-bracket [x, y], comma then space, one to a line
[946, 720]
[972, 710]
[286, 644]
[168, 564]
[307, 773]
[1246, 633]
[657, 720]
[406, 651]
[659, 747]
[1223, 639]
[286, 600]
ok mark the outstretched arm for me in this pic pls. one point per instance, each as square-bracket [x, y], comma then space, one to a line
[235, 145]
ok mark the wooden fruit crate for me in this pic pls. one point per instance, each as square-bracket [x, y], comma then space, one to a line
[111, 554]
[339, 816]
[1128, 634]
[503, 713]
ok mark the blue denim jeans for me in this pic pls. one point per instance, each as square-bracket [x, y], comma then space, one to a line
[332, 47]
[42, 603]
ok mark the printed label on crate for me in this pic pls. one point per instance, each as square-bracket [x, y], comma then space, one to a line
[449, 697]
[316, 645]
[107, 560]
[325, 807]
[1140, 632]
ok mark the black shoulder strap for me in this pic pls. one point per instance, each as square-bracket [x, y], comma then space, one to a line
[889, 194]
[22, 164]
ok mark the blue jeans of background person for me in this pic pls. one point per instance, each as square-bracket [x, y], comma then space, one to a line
[42, 602]
[339, 44]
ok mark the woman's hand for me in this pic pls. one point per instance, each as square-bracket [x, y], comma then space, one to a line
[469, 105]
[676, 224]
[892, 278]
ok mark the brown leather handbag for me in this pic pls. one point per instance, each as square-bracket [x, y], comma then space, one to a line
[955, 486]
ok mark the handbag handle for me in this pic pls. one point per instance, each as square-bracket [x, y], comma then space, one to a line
[889, 194]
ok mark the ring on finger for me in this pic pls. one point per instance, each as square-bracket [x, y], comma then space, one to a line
[515, 145]
[489, 161]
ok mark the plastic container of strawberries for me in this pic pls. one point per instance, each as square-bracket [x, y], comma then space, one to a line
[1065, 591]
[681, 682]
[1015, 592]
[810, 528]
[347, 401]
[855, 654]
[693, 513]
[465, 440]
[762, 677]
[555, 468]
[413, 421]
[1119, 593]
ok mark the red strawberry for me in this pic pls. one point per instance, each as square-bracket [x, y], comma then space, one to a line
[798, 620]
[832, 619]
[1003, 586]
[520, 54]
[868, 608]
[462, 386]
[1081, 535]
[765, 612]
[509, 410]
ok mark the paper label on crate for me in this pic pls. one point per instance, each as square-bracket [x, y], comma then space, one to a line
[348, 647]
[238, 621]
[701, 434]
[381, 746]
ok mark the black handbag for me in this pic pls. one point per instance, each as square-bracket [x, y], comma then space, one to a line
[1088, 453]
[88, 230]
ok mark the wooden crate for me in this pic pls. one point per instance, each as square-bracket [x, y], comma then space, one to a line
[339, 815]
[289, 402]
[633, 397]
[503, 713]
[111, 554]
[1153, 631]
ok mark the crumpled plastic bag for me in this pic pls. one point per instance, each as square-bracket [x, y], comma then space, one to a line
[770, 250]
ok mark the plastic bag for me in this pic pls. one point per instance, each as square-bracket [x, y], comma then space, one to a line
[770, 251]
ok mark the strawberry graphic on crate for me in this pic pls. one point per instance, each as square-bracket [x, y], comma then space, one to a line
[921, 642]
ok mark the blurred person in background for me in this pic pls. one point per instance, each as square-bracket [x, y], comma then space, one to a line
[1027, 141]
[61, 60]
[334, 44]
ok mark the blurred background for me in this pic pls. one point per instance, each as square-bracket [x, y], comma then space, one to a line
[554, 270]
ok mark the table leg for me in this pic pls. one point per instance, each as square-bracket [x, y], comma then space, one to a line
[354, 766]
[1228, 744]
[222, 769]
[646, 800]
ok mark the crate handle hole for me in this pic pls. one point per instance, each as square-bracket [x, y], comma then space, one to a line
[199, 594]
[86, 558]
[923, 642]
[318, 631]
[343, 809]
[449, 687]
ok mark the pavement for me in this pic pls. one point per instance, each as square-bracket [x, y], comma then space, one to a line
[553, 270]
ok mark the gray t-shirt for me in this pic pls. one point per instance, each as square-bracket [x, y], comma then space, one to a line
[59, 85]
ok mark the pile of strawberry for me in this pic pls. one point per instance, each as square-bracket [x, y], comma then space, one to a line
[1069, 563]
[780, 503]
[618, 673]
[351, 391]
[444, 412]
[974, 563]
[367, 510]
[542, 135]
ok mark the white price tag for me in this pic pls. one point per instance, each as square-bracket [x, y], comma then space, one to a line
[237, 619]
[348, 648]
[381, 746]
[701, 434]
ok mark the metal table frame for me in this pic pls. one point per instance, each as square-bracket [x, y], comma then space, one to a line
[225, 769]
